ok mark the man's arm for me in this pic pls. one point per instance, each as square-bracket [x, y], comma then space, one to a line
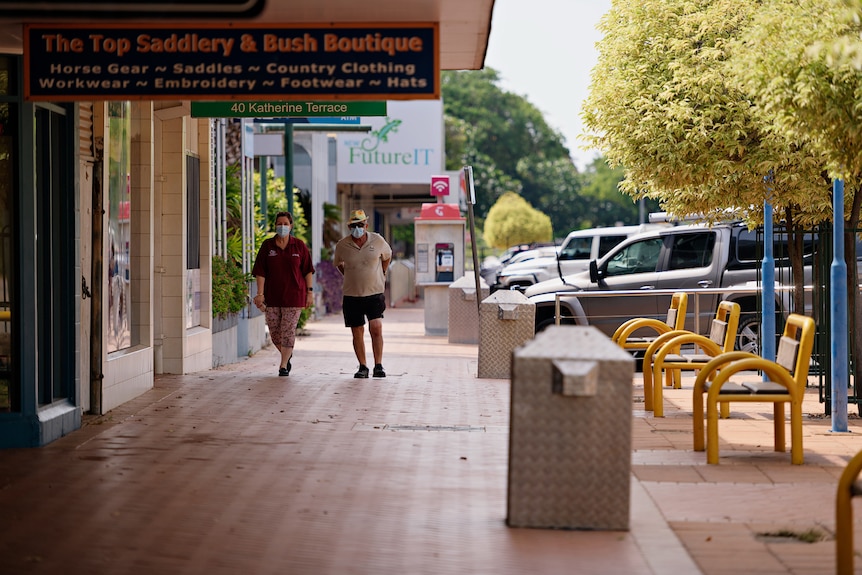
[386, 257]
[338, 261]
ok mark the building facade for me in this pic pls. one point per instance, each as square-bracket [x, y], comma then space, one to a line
[108, 211]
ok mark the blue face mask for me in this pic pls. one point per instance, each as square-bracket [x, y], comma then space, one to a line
[282, 231]
[357, 232]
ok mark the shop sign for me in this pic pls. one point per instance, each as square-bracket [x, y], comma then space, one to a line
[212, 61]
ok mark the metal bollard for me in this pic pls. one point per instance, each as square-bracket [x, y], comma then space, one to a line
[507, 320]
[570, 432]
[463, 311]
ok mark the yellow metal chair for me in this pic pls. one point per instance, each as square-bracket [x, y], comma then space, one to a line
[663, 354]
[849, 487]
[675, 321]
[787, 378]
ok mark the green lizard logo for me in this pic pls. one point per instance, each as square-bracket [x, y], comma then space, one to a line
[381, 135]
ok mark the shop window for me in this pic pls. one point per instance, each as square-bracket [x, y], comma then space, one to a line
[119, 335]
[193, 241]
[9, 395]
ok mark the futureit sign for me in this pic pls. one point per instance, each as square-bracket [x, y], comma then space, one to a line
[405, 147]
[211, 61]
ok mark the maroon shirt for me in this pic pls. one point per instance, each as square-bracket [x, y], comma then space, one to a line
[285, 271]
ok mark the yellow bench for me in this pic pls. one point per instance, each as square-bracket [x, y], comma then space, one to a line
[663, 354]
[787, 378]
[675, 321]
[848, 488]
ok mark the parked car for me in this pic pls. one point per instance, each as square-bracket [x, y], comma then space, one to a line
[491, 265]
[679, 258]
[574, 256]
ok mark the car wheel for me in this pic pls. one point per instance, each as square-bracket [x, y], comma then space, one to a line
[542, 324]
[548, 319]
[748, 334]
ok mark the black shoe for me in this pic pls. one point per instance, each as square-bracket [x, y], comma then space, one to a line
[284, 371]
[362, 372]
[378, 371]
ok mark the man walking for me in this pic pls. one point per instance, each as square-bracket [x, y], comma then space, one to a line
[362, 258]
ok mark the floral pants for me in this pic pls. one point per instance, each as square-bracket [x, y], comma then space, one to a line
[282, 325]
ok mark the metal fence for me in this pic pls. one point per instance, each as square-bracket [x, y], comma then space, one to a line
[822, 316]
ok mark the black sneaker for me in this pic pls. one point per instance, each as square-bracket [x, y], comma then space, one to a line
[378, 371]
[285, 371]
[362, 372]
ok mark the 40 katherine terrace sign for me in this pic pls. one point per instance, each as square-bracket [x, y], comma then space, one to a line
[295, 109]
[68, 62]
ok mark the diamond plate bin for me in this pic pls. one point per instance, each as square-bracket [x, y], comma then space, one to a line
[570, 432]
[463, 309]
[506, 321]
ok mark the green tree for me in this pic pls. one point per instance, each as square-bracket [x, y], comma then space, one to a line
[512, 220]
[506, 126]
[605, 204]
[490, 181]
[804, 92]
[512, 149]
[554, 187]
[665, 105]
[807, 83]
[501, 135]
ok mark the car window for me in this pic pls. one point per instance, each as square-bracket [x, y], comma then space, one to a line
[749, 248]
[577, 249]
[608, 242]
[639, 257]
[691, 251]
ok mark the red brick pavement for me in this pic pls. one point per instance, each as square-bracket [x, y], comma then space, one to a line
[237, 471]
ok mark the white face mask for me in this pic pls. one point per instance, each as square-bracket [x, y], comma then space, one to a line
[282, 231]
[357, 232]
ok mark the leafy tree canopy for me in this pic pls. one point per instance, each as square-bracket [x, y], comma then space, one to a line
[607, 206]
[512, 149]
[506, 126]
[806, 81]
[665, 105]
[512, 220]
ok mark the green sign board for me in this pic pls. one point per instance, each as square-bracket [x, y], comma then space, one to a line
[284, 109]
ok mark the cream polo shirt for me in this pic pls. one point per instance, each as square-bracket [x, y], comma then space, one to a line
[363, 267]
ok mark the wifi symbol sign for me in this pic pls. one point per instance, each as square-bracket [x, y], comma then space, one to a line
[439, 185]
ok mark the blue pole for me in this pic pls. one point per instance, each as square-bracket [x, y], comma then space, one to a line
[767, 266]
[838, 311]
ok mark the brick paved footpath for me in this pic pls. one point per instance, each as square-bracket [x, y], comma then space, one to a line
[238, 471]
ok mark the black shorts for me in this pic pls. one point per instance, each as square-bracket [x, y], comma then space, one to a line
[356, 309]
